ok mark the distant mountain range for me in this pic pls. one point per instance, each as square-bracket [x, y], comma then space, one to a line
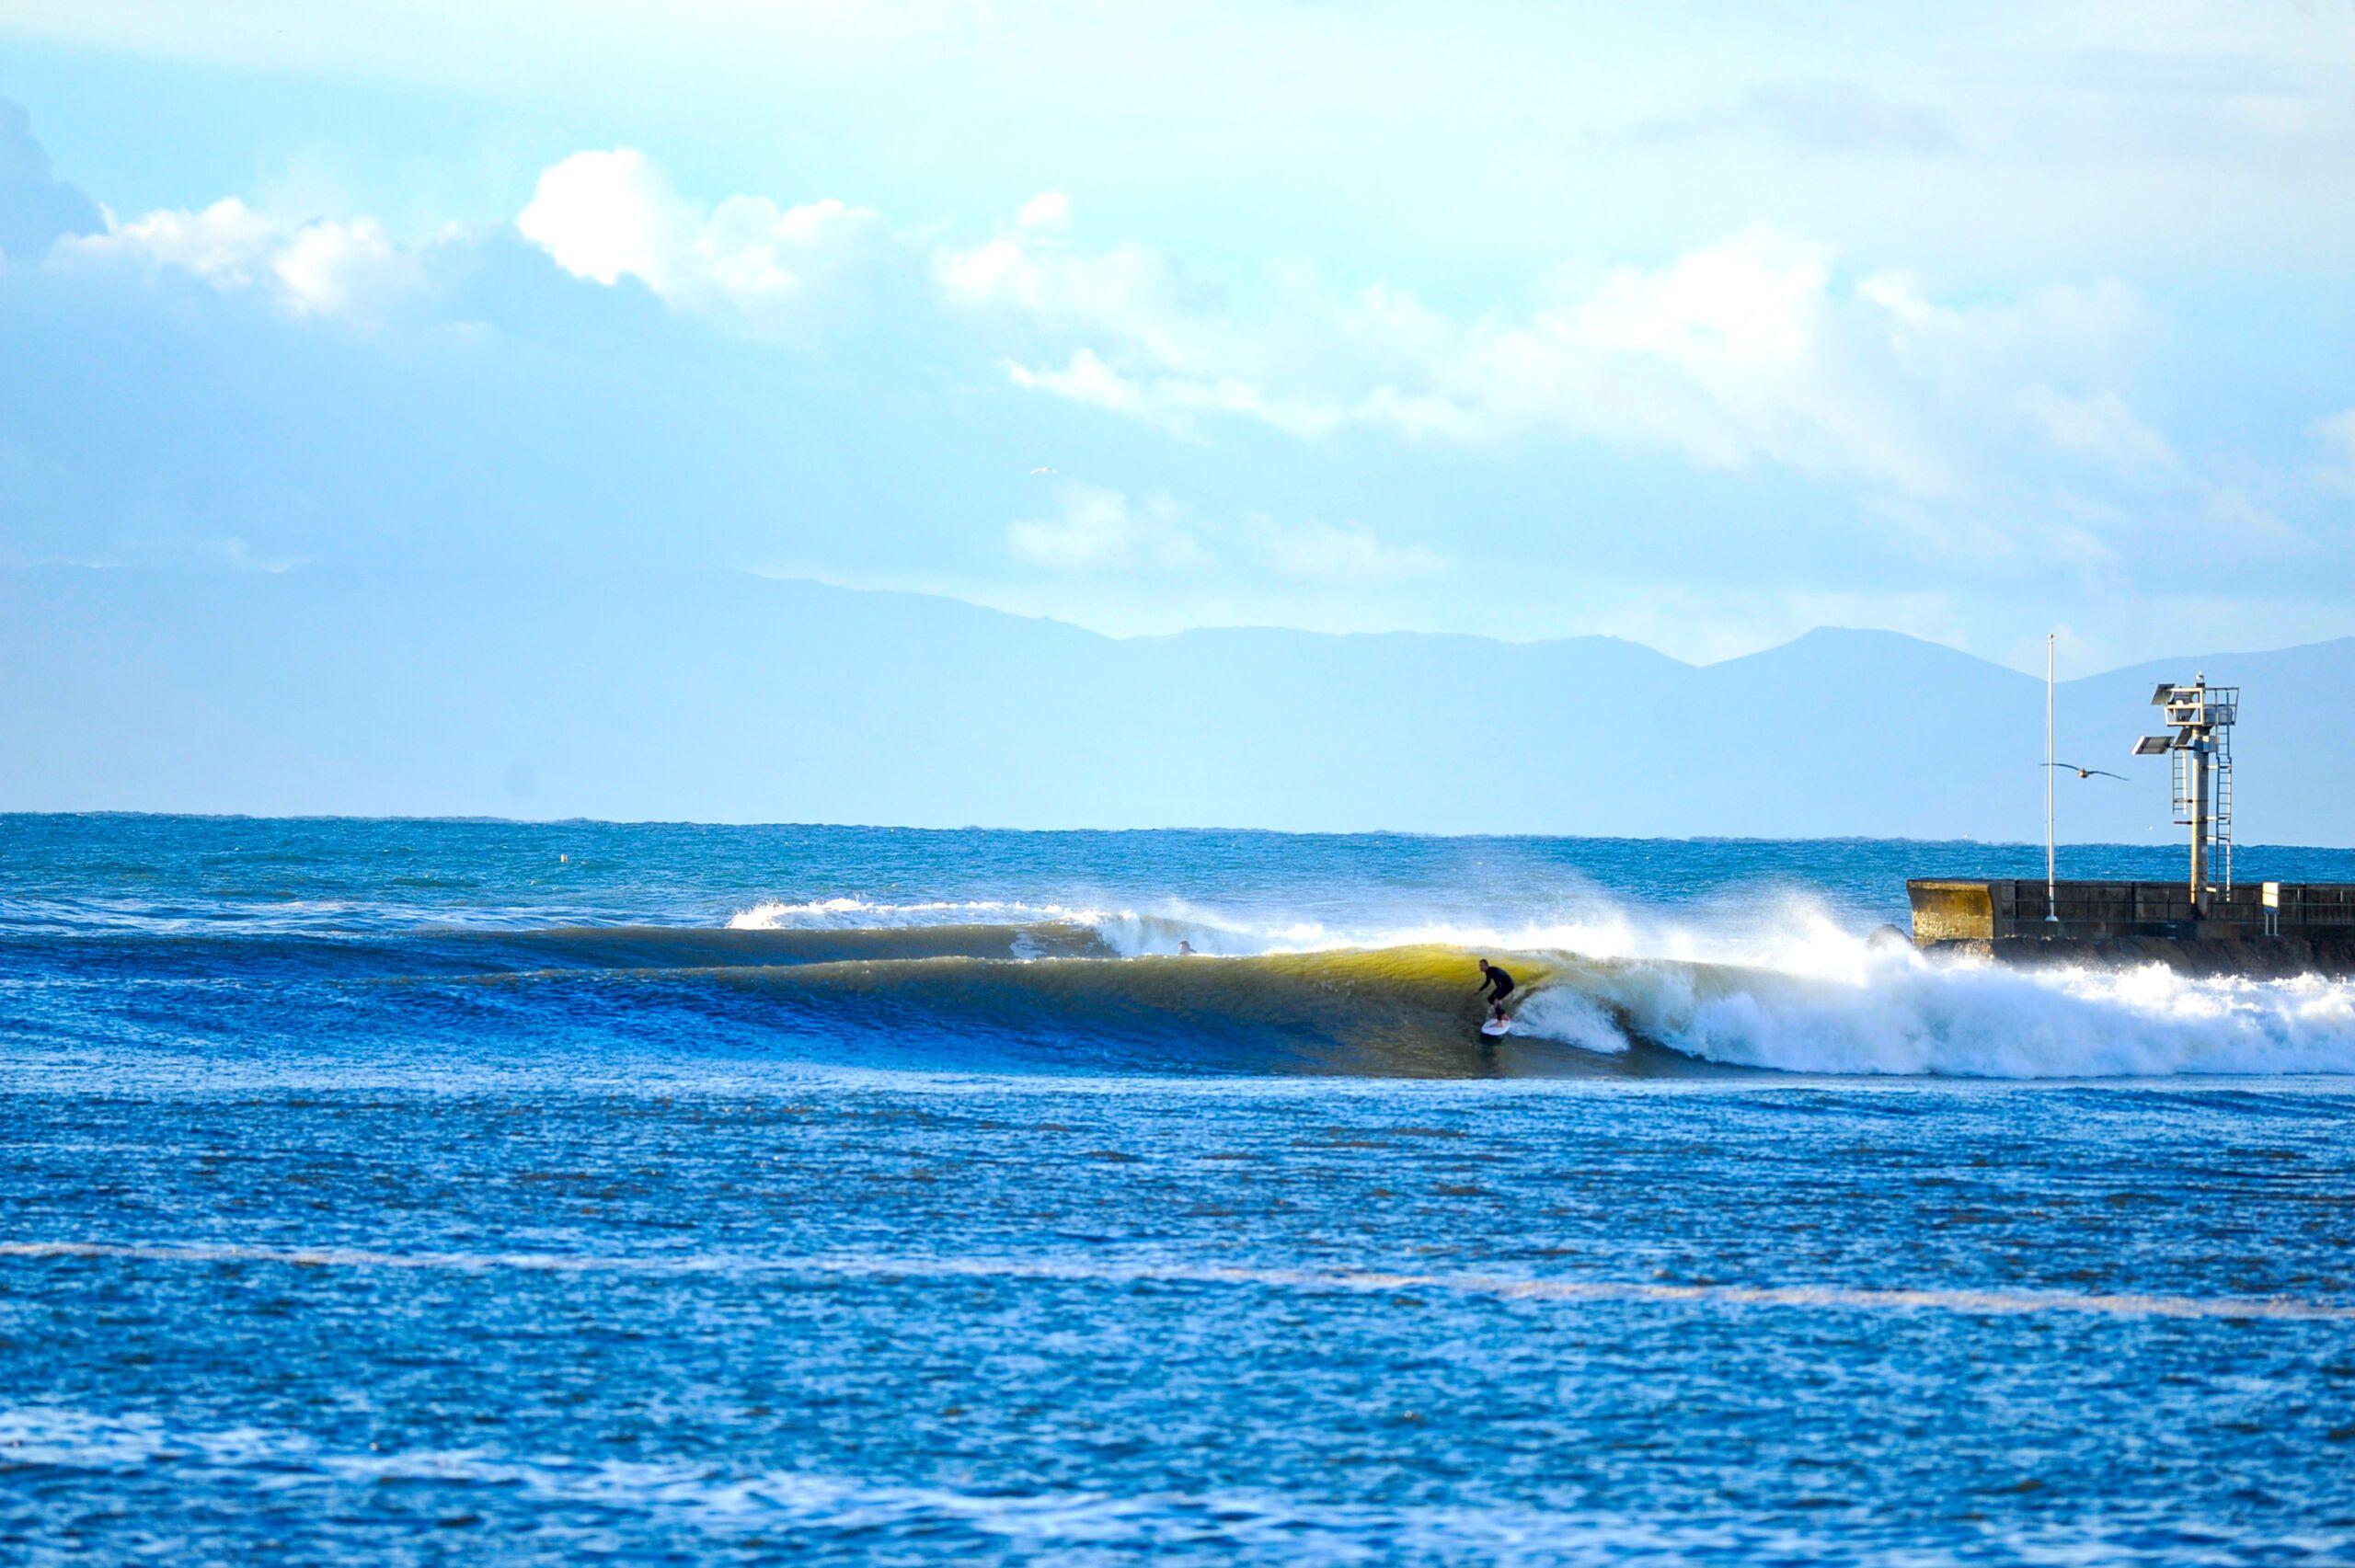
[740, 698]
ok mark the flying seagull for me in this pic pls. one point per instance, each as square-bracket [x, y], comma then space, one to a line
[1042, 471]
[2087, 772]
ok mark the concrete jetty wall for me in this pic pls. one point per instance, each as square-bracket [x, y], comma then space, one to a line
[2310, 930]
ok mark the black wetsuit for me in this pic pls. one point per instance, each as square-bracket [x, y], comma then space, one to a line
[1498, 983]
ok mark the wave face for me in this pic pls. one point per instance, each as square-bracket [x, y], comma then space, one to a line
[1066, 994]
[1235, 953]
[1777, 984]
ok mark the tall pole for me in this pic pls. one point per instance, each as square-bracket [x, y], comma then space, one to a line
[2052, 888]
[2198, 760]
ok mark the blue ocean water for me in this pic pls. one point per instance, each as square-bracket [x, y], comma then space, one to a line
[423, 1191]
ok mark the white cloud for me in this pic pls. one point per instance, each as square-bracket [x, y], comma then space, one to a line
[2251, 525]
[333, 268]
[1342, 555]
[1131, 330]
[1130, 295]
[1752, 350]
[1096, 531]
[2118, 135]
[228, 243]
[1048, 210]
[607, 215]
[2100, 425]
[324, 266]
[1758, 349]
[1748, 350]
[752, 250]
[2337, 434]
[1174, 402]
[1735, 353]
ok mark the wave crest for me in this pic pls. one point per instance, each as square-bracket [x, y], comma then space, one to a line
[1776, 984]
[1905, 1015]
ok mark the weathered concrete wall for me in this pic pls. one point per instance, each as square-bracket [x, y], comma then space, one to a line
[1952, 911]
[2263, 958]
[1946, 911]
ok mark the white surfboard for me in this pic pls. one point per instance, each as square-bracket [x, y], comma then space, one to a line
[1496, 1026]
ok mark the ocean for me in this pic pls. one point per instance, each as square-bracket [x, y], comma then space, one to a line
[419, 1191]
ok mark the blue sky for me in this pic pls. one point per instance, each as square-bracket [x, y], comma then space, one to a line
[1700, 325]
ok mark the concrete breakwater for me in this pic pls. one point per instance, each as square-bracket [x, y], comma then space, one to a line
[2257, 929]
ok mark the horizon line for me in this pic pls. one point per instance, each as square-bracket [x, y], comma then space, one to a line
[480, 820]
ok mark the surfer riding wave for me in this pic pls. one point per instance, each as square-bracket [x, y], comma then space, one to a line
[1495, 985]
[1495, 982]
[1043, 985]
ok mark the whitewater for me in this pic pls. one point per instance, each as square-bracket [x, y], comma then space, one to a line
[418, 1192]
[1035, 952]
[1781, 986]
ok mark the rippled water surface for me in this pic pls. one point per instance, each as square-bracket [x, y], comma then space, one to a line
[421, 1193]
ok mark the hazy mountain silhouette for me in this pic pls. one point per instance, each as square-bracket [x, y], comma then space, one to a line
[743, 698]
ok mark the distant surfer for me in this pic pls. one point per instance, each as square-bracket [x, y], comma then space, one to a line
[1184, 948]
[1496, 982]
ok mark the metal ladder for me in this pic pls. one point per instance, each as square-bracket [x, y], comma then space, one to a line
[2220, 817]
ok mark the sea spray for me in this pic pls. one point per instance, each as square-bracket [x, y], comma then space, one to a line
[1777, 985]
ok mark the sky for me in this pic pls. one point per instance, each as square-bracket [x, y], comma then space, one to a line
[1700, 325]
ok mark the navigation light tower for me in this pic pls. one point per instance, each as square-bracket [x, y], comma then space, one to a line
[2202, 749]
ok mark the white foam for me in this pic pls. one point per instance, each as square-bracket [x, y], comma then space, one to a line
[1782, 983]
[1128, 933]
[1776, 982]
[859, 915]
[1895, 1012]
[1158, 930]
[1571, 1018]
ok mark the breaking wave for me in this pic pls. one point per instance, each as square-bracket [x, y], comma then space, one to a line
[1766, 985]
[1781, 986]
[1123, 933]
[1900, 1013]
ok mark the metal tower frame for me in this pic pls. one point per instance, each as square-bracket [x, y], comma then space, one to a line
[2201, 752]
